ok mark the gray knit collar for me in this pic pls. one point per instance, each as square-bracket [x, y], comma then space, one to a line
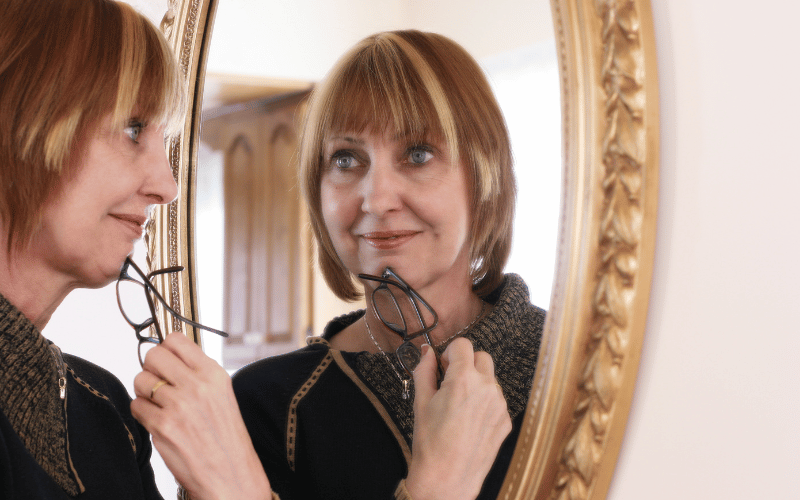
[29, 395]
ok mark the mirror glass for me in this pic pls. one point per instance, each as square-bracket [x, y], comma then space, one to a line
[262, 51]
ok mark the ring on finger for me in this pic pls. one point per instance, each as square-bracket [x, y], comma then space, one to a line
[157, 387]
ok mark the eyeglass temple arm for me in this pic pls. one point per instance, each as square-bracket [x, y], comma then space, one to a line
[163, 302]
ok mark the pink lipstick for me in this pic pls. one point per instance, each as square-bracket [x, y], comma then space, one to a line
[387, 240]
[134, 223]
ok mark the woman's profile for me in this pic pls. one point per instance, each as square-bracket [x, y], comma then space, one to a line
[88, 89]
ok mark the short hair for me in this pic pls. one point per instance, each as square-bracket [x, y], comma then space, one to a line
[424, 85]
[64, 65]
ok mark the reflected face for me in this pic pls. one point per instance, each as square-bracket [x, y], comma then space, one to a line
[91, 222]
[389, 201]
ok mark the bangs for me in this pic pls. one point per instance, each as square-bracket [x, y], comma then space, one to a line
[149, 80]
[388, 87]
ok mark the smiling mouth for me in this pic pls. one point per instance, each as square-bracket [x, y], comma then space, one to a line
[133, 222]
[385, 240]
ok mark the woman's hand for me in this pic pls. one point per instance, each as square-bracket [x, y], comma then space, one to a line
[458, 429]
[195, 423]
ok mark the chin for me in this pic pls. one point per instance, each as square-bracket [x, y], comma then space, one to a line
[100, 279]
[377, 268]
[103, 273]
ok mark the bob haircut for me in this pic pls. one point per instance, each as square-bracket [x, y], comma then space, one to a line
[64, 65]
[424, 86]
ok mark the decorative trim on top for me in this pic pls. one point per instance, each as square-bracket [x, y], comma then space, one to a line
[291, 422]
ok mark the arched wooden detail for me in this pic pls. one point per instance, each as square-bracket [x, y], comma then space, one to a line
[267, 278]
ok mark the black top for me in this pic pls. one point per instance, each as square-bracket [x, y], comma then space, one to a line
[330, 424]
[86, 445]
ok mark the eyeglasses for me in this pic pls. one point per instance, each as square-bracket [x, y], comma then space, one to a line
[387, 308]
[130, 305]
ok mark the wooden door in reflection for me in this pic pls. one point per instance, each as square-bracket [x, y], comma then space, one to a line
[267, 270]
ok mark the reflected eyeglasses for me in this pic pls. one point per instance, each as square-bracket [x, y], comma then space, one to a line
[387, 308]
[141, 320]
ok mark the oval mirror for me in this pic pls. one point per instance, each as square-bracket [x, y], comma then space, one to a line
[597, 304]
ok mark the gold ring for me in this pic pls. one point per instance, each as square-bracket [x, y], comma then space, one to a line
[157, 387]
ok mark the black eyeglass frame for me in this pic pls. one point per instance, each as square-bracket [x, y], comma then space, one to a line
[389, 277]
[147, 284]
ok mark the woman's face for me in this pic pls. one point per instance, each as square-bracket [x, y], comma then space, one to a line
[388, 201]
[91, 222]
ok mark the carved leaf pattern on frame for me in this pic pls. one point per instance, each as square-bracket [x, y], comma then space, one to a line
[618, 244]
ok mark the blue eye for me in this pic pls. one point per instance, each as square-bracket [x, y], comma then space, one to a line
[343, 160]
[133, 130]
[419, 156]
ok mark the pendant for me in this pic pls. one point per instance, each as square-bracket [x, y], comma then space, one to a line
[409, 356]
[406, 389]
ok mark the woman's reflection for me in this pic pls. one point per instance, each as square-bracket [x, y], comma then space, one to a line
[406, 166]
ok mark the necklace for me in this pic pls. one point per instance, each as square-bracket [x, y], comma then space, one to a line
[451, 337]
[405, 381]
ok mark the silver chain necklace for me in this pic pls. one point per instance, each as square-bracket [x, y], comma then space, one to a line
[406, 382]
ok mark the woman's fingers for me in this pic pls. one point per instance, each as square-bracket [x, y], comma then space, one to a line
[425, 377]
[186, 401]
[458, 429]
[174, 354]
[460, 353]
[187, 351]
[484, 364]
[181, 362]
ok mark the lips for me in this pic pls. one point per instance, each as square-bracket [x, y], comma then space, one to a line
[134, 223]
[387, 240]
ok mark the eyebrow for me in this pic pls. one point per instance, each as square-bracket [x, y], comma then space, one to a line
[349, 139]
[400, 136]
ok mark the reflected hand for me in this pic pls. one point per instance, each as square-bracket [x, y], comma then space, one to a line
[195, 422]
[458, 429]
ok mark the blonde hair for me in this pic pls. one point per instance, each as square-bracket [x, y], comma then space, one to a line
[421, 85]
[64, 65]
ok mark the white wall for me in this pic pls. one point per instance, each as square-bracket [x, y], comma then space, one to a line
[302, 39]
[715, 412]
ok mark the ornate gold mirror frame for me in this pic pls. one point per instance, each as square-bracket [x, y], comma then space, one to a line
[585, 376]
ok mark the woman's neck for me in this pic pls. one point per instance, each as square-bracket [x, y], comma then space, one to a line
[30, 287]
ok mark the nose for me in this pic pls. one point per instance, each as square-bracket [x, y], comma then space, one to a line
[160, 185]
[381, 189]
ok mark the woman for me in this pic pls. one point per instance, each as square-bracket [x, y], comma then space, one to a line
[87, 90]
[406, 167]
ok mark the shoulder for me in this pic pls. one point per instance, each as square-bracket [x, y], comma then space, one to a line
[291, 370]
[340, 323]
[281, 374]
[513, 302]
[97, 378]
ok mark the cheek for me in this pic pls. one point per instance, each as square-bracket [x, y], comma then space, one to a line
[338, 211]
[328, 206]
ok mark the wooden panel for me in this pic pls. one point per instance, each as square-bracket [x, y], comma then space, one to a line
[238, 175]
[267, 282]
[283, 248]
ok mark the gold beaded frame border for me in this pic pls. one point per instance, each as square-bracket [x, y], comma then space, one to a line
[170, 236]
